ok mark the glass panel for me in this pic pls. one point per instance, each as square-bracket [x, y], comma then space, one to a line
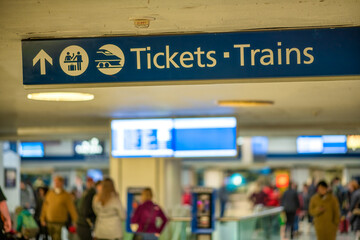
[256, 228]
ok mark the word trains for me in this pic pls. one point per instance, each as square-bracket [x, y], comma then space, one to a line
[245, 54]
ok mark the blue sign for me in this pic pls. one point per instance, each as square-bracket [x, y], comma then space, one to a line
[203, 210]
[172, 58]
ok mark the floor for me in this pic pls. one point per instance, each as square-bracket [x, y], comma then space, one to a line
[310, 234]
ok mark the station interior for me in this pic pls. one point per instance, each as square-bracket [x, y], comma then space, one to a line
[278, 126]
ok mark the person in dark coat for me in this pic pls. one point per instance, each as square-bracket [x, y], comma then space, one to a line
[40, 193]
[224, 198]
[312, 192]
[355, 206]
[87, 216]
[290, 202]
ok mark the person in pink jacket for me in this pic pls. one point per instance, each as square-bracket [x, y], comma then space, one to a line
[146, 216]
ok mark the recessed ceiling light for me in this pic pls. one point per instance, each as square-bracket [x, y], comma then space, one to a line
[142, 22]
[61, 96]
[243, 103]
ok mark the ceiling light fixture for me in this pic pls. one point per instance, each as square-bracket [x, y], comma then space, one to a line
[244, 103]
[142, 22]
[61, 96]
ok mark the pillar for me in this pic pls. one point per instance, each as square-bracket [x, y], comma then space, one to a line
[247, 155]
[10, 160]
[162, 175]
[300, 176]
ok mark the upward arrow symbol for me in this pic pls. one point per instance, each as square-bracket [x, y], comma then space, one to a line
[42, 56]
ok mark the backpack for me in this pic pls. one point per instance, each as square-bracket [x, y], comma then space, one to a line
[30, 228]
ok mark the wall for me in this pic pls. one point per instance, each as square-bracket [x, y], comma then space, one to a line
[188, 177]
[282, 145]
[349, 174]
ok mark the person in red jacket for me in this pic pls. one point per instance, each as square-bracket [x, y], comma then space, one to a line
[273, 196]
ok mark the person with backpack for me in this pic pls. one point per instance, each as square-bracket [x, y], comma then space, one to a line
[26, 226]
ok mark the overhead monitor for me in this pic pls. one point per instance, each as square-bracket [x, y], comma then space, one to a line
[142, 138]
[205, 137]
[326, 144]
[310, 144]
[334, 144]
[31, 149]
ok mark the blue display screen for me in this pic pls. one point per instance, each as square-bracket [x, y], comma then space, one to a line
[31, 149]
[260, 145]
[327, 144]
[142, 138]
[205, 137]
[334, 144]
[185, 137]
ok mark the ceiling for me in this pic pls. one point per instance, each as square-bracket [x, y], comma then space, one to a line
[307, 107]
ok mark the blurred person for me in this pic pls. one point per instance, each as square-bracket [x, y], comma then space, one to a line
[39, 182]
[26, 226]
[98, 187]
[338, 190]
[312, 192]
[87, 216]
[224, 198]
[40, 197]
[74, 196]
[304, 195]
[109, 212]
[258, 198]
[58, 204]
[354, 213]
[71, 228]
[290, 202]
[324, 207]
[186, 198]
[5, 220]
[298, 210]
[305, 199]
[27, 198]
[273, 196]
[146, 216]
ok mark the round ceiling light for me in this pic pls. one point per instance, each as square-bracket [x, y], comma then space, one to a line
[61, 96]
[244, 103]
